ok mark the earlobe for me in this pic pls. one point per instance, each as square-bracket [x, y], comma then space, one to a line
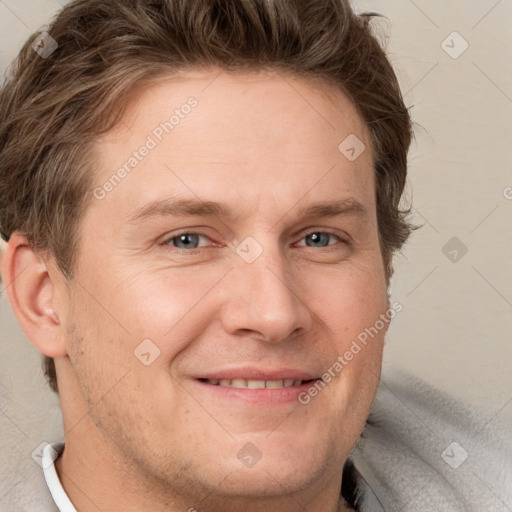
[32, 295]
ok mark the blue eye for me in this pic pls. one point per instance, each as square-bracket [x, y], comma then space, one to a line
[320, 238]
[185, 240]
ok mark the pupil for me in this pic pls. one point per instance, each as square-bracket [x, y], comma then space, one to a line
[317, 237]
[186, 239]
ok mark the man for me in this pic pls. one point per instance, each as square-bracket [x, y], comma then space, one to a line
[201, 200]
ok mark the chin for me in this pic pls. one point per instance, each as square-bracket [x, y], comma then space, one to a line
[269, 480]
[267, 466]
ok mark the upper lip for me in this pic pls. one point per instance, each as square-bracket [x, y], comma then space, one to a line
[252, 373]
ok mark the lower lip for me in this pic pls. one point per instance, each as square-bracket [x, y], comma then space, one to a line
[264, 396]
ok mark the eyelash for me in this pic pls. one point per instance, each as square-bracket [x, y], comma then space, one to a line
[167, 241]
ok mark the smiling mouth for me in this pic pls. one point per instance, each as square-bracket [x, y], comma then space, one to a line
[256, 384]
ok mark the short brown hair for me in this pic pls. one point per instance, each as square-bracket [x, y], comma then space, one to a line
[53, 107]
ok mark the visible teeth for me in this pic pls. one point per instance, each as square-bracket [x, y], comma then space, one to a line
[255, 384]
[274, 384]
[239, 383]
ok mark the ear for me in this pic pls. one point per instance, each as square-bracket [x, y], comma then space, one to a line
[32, 294]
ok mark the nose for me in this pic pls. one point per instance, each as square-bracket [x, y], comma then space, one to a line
[263, 299]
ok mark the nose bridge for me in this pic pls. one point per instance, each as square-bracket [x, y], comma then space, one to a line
[264, 297]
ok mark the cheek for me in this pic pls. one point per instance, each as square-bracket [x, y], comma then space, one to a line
[349, 301]
[352, 304]
[157, 301]
[100, 341]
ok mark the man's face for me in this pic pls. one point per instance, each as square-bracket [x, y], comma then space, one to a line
[265, 292]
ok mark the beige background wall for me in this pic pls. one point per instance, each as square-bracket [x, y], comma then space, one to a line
[455, 330]
[456, 327]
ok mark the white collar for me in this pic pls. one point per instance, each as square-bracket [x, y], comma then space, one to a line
[51, 453]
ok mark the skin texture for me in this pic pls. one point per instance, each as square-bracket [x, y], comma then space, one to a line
[150, 437]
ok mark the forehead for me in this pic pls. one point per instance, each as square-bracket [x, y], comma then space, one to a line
[250, 136]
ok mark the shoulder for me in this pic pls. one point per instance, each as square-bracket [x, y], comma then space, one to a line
[423, 449]
[27, 486]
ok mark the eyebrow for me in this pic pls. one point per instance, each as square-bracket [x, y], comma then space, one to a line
[189, 207]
